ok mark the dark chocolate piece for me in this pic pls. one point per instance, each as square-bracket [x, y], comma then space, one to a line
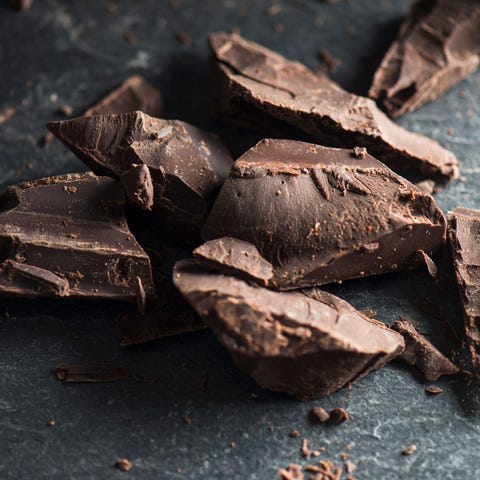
[187, 165]
[421, 353]
[464, 234]
[260, 88]
[21, 5]
[90, 373]
[135, 93]
[138, 186]
[67, 236]
[320, 414]
[409, 450]
[437, 46]
[338, 415]
[306, 344]
[232, 256]
[123, 464]
[320, 215]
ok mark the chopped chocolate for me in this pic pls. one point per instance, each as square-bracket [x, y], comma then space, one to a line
[319, 216]
[259, 88]
[438, 45]
[292, 472]
[124, 464]
[6, 114]
[90, 373]
[338, 415]
[409, 450]
[464, 233]
[432, 390]
[307, 344]
[135, 93]
[51, 423]
[138, 186]
[21, 5]
[54, 227]
[320, 414]
[232, 445]
[232, 256]
[187, 165]
[421, 353]
[294, 434]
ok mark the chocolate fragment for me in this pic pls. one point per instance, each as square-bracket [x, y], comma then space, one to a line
[124, 464]
[421, 353]
[90, 373]
[409, 450]
[320, 414]
[437, 46]
[6, 114]
[338, 415]
[292, 472]
[67, 236]
[259, 88]
[319, 216]
[21, 5]
[187, 165]
[464, 232]
[432, 390]
[138, 186]
[232, 256]
[294, 434]
[135, 93]
[306, 344]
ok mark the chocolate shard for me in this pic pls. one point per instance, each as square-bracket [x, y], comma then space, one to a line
[464, 232]
[67, 236]
[319, 215]
[438, 45]
[135, 93]
[90, 373]
[260, 88]
[138, 186]
[232, 256]
[307, 345]
[421, 353]
[187, 165]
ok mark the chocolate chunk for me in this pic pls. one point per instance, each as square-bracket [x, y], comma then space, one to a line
[409, 450]
[319, 215]
[437, 46]
[306, 344]
[67, 236]
[21, 5]
[187, 165]
[260, 88]
[320, 414]
[421, 353]
[292, 472]
[338, 415]
[232, 256]
[135, 93]
[138, 186]
[90, 373]
[464, 232]
[124, 464]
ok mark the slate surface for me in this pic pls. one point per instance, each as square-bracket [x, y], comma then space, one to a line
[73, 52]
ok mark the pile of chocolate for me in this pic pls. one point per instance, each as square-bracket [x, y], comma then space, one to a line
[253, 240]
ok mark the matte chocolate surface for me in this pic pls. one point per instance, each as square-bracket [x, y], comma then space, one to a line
[67, 236]
[464, 234]
[187, 165]
[135, 93]
[306, 344]
[438, 45]
[421, 353]
[321, 215]
[262, 89]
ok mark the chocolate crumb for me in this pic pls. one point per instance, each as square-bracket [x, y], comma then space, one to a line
[66, 110]
[338, 415]
[187, 419]
[292, 472]
[306, 452]
[51, 423]
[294, 433]
[46, 139]
[6, 114]
[409, 450]
[450, 131]
[432, 390]
[360, 152]
[320, 414]
[130, 38]
[183, 38]
[344, 456]
[330, 63]
[233, 445]
[123, 464]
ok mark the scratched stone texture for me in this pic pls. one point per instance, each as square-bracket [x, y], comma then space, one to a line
[73, 52]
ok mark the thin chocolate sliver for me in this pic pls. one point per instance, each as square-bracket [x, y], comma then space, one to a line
[259, 88]
[464, 234]
[90, 373]
[67, 236]
[135, 93]
[320, 215]
[306, 344]
[438, 45]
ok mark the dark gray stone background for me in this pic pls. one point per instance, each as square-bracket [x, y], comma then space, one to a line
[73, 52]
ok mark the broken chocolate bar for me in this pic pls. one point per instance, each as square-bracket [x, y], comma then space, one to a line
[464, 234]
[135, 93]
[67, 236]
[306, 344]
[437, 46]
[258, 87]
[320, 215]
[187, 165]
[421, 353]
